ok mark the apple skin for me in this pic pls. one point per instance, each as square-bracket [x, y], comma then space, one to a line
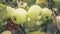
[34, 11]
[19, 16]
[6, 32]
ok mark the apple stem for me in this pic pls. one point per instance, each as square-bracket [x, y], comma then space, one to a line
[50, 4]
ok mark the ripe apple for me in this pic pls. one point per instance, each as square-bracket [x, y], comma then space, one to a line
[6, 32]
[10, 11]
[34, 12]
[19, 16]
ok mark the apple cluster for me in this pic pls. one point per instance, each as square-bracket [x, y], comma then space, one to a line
[34, 16]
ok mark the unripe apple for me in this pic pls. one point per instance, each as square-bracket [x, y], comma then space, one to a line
[10, 11]
[6, 32]
[34, 12]
[46, 11]
[46, 14]
[58, 18]
[19, 16]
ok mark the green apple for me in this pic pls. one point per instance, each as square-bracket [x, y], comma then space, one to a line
[46, 14]
[46, 11]
[34, 12]
[6, 32]
[36, 32]
[19, 16]
[10, 11]
[58, 18]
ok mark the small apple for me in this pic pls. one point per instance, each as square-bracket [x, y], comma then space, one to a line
[46, 14]
[34, 12]
[6, 32]
[46, 11]
[19, 16]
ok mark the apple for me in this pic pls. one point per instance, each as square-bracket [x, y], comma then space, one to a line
[58, 18]
[6, 32]
[19, 16]
[10, 11]
[46, 14]
[34, 11]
